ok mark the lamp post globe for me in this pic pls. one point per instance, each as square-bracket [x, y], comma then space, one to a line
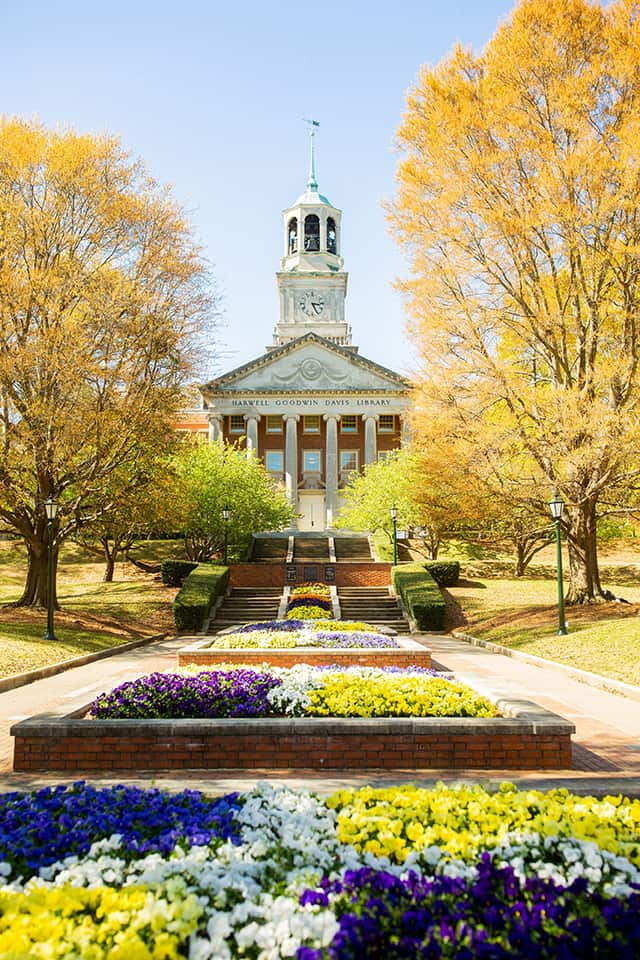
[556, 507]
[51, 510]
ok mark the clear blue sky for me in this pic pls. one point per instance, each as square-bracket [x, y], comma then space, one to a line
[212, 95]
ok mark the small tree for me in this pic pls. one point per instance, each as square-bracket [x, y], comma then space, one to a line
[211, 477]
[370, 495]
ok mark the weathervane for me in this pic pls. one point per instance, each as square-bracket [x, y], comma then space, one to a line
[312, 183]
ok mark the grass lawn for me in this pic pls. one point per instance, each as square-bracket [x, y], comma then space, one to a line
[523, 614]
[94, 615]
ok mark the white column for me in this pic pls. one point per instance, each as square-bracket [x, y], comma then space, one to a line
[291, 457]
[370, 439]
[215, 428]
[252, 434]
[331, 466]
[405, 430]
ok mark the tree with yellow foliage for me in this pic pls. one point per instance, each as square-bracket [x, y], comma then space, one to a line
[519, 208]
[103, 296]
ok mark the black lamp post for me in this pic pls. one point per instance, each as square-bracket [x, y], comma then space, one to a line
[51, 508]
[394, 518]
[557, 509]
[226, 516]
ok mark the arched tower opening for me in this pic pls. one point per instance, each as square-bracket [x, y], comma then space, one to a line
[311, 232]
[332, 239]
[292, 234]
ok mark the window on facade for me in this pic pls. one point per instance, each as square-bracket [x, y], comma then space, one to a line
[292, 233]
[348, 464]
[348, 423]
[203, 435]
[331, 235]
[274, 424]
[311, 232]
[236, 423]
[384, 454]
[311, 424]
[386, 423]
[274, 462]
[311, 461]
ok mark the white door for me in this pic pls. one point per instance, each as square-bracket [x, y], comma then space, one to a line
[312, 512]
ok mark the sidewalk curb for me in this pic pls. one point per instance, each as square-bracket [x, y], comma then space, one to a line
[583, 676]
[22, 679]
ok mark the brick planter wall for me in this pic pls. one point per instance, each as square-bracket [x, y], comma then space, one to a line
[530, 739]
[410, 654]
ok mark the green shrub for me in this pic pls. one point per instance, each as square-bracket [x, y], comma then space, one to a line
[420, 594]
[175, 571]
[200, 588]
[446, 573]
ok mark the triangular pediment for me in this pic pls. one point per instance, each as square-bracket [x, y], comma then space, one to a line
[309, 363]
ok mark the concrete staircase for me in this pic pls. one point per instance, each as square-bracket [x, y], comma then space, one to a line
[373, 605]
[269, 549]
[311, 549]
[353, 548]
[246, 605]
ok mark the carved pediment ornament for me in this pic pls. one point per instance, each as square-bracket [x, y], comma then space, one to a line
[311, 370]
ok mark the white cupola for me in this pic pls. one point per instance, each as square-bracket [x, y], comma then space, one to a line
[311, 282]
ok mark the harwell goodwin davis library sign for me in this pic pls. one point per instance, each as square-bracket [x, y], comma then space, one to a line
[343, 403]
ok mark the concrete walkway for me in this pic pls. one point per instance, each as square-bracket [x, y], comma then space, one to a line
[606, 744]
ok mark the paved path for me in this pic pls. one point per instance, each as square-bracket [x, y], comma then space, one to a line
[607, 741]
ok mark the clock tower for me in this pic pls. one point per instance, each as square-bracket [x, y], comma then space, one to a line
[311, 281]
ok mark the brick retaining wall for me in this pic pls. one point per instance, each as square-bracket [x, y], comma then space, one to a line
[317, 657]
[530, 739]
[346, 574]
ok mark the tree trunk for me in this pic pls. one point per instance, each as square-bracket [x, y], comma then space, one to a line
[35, 588]
[109, 567]
[584, 577]
[521, 560]
[110, 554]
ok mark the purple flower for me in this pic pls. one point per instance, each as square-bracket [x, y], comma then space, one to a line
[38, 828]
[492, 917]
[209, 695]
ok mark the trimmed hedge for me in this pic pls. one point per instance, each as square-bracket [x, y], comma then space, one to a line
[446, 573]
[174, 571]
[201, 587]
[420, 595]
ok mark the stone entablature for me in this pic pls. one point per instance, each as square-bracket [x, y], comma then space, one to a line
[364, 405]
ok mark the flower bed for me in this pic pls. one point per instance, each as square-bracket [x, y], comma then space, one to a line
[294, 692]
[310, 601]
[273, 874]
[335, 640]
[314, 641]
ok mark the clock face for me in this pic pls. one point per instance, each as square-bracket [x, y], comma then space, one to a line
[311, 303]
